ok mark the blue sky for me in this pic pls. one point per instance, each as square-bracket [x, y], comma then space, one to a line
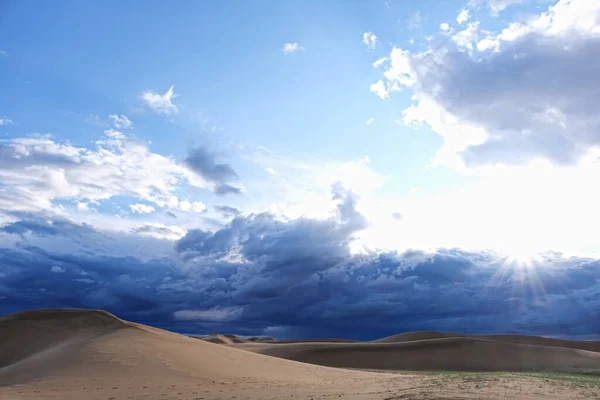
[223, 147]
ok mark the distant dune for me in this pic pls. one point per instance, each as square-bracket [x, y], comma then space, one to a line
[516, 339]
[81, 354]
[446, 353]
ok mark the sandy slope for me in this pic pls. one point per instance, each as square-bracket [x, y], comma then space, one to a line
[82, 354]
[450, 353]
[517, 339]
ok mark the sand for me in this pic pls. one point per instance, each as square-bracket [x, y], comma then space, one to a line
[84, 354]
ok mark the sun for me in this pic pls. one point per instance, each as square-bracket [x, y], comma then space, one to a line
[522, 256]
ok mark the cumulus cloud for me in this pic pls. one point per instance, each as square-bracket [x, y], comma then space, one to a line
[247, 276]
[379, 89]
[140, 208]
[370, 40]
[204, 163]
[120, 121]
[289, 48]
[36, 171]
[161, 103]
[463, 16]
[467, 37]
[444, 27]
[539, 72]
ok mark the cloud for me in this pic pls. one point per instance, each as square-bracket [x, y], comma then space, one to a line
[6, 121]
[379, 62]
[121, 122]
[543, 66]
[225, 188]
[171, 214]
[37, 171]
[370, 121]
[463, 16]
[160, 231]
[227, 211]
[204, 163]
[213, 314]
[497, 6]
[379, 89]
[161, 104]
[370, 40]
[467, 37]
[289, 48]
[299, 278]
[56, 269]
[141, 208]
[444, 27]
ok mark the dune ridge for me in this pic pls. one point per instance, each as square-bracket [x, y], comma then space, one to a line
[66, 353]
[75, 354]
[516, 339]
[445, 353]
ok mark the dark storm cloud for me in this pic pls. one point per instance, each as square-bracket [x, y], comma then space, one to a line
[225, 188]
[204, 163]
[227, 211]
[260, 275]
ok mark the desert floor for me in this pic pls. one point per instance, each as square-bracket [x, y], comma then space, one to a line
[81, 354]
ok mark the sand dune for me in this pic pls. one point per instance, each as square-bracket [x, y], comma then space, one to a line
[446, 353]
[89, 354]
[223, 339]
[516, 339]
[82, 354]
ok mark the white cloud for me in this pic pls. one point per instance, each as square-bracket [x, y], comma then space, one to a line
[302, 187]
[192, 206]
[121, 121]
[444, 27]
[497, 6]
[140, 208]
[57, 270]
[379, 89]
[270, 170]
[212, 314]
[36, 171]
[533, 96]
[466, 38]
[378, 63]
[289, 48]
[370, 40]
[162, 104]
[370, 121]
[518, 113]
[160, 231]
[6, 121]
[463, 16]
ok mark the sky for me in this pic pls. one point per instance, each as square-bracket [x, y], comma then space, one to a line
[304, 168]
